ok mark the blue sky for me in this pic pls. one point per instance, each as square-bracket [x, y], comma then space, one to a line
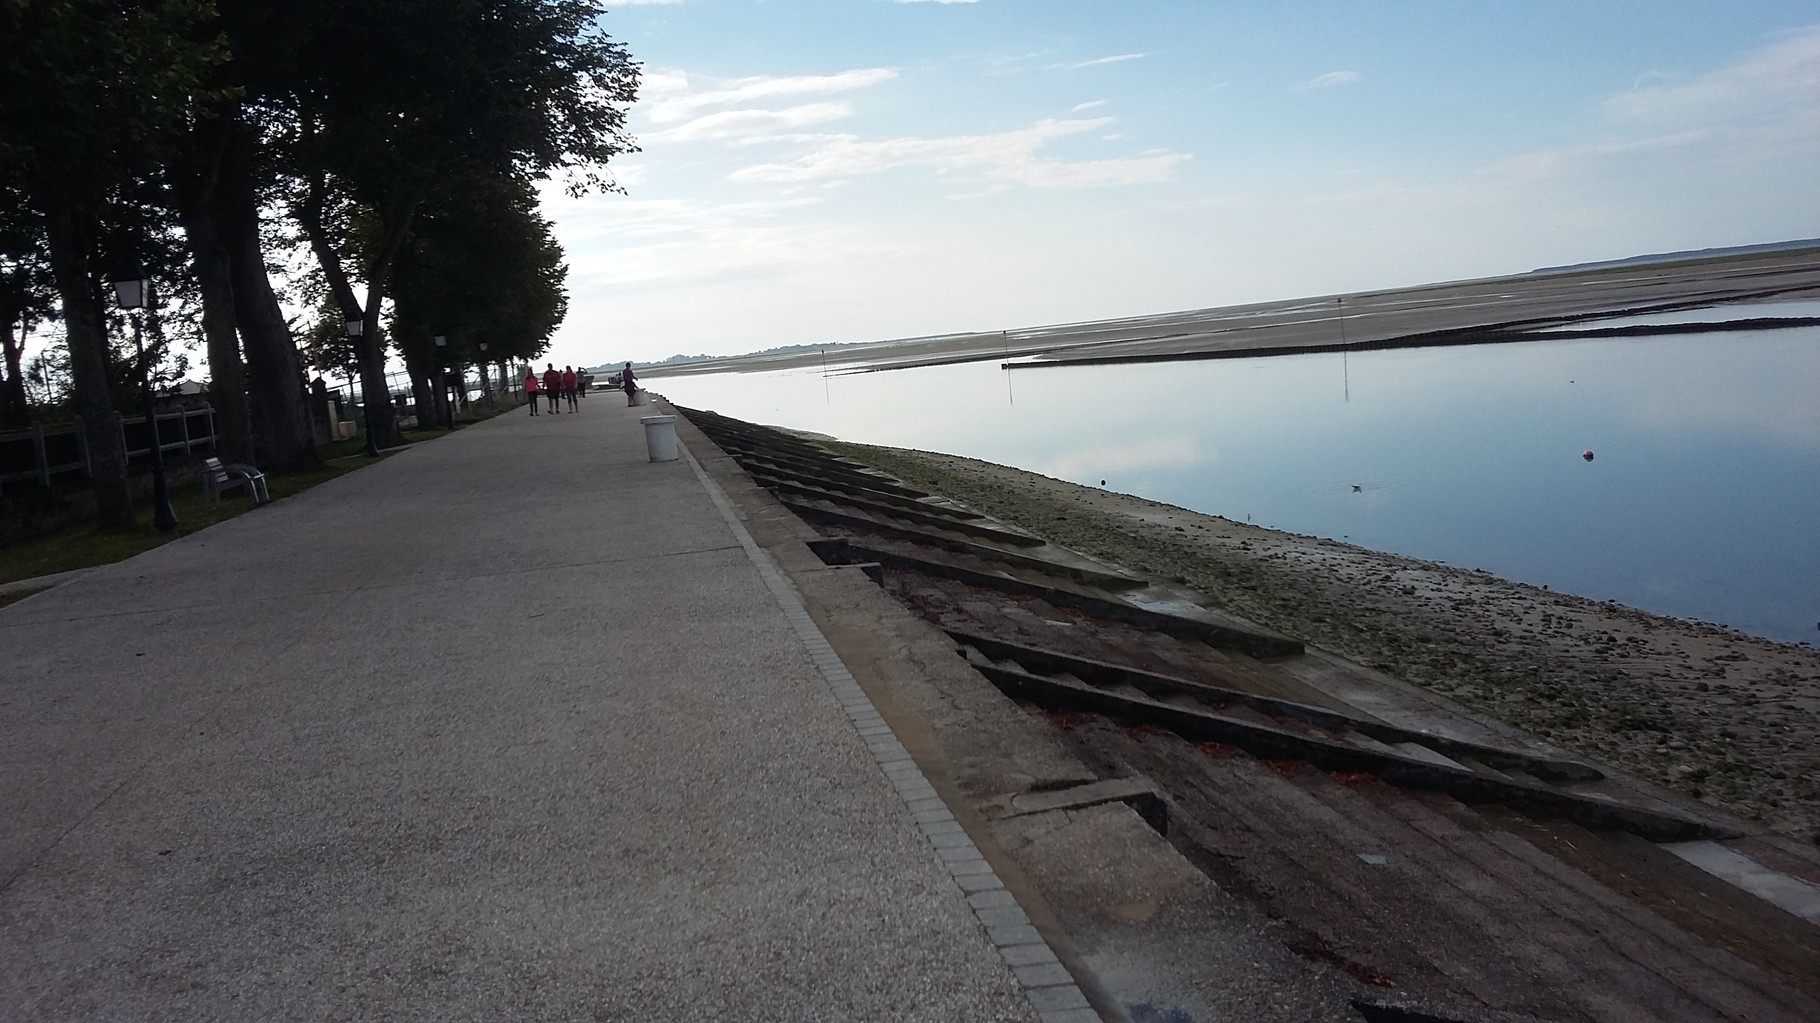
[845, 170]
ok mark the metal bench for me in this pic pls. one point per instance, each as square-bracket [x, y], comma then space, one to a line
[219, 478]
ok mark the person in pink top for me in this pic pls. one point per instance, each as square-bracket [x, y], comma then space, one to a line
[552, 385]
[531, 390]
[568, 387]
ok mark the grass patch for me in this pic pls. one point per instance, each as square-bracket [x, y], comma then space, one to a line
[85, 546]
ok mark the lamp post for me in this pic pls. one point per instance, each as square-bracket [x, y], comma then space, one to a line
[357, 327]
[442, 366]
[133, 290]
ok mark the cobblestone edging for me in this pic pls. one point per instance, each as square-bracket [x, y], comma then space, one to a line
[1046, 982]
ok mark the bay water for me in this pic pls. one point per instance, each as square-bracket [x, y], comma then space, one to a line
[1701, 500]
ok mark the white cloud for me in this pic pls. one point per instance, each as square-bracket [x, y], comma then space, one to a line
[667, 241]
[938, 1]
[748, 124]
[1005, 158]
[673, 101]
[1114, 59]
[1757, 112]
[653, 84]
[1780, 78]
[1089, 105]
[1330, 80]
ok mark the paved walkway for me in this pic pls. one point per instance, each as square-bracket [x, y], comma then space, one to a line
[514, 725]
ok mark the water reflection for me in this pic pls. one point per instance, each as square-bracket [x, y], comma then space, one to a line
[1704, 499]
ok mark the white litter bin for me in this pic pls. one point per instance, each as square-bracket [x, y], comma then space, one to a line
[660, 437]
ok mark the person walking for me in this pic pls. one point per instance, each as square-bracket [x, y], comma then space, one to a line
[630, 383]
[569, 383]
[552, 384]
[531, 389]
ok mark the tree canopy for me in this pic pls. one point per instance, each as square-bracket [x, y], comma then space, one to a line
[402, 138]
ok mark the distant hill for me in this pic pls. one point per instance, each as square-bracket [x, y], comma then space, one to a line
[1673, 257]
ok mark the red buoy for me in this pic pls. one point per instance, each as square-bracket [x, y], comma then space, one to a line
[1587, 454]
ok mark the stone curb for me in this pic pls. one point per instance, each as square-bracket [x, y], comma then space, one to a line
[1052, 992]
[43, 582]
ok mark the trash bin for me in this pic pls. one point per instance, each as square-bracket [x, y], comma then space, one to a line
[660, 437]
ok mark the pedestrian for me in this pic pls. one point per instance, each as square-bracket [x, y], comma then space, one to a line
[552, 385]
[582, 380]
[569, 383]
[531, 389]
[630, 383]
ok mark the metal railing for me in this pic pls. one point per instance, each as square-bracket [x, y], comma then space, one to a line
[43, 451]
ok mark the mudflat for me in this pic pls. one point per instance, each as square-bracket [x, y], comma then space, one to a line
[1450, 313]
[1707, 711]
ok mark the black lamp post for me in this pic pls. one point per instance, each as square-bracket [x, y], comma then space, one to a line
[133, 290]
[357, 327]
[442, 362]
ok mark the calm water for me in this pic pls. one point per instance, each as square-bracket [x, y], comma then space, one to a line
[1702, 501]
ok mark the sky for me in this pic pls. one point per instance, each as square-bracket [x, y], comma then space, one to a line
[821, 171]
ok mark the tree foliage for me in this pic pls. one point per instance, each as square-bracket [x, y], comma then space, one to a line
[410, 96]
[404, 137]
[481, 266]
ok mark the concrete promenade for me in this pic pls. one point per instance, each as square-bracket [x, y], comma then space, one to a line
[513, 725]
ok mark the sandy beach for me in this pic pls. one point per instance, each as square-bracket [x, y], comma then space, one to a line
[1721, 716]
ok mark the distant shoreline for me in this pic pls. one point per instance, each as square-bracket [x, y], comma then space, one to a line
[1685, 256]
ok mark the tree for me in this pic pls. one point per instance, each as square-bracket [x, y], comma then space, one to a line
[26, 296]
[280, 407]
[91, 95]
[405, 95]
[196, 193]
[481, 265]
[222, 178]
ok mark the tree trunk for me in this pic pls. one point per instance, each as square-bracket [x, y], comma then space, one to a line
[15, 406]
[195, 190]
[458, 381]
[371, 347]
[423, 395]
[278, 399]
[398, 228]
[86, 333]
[420, 372]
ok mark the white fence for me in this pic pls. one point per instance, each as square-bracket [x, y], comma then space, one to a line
[42, 451]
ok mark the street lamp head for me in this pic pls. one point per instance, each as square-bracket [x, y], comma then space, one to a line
[131, 287]
[356, 324]
[483, 346]
[442, 341]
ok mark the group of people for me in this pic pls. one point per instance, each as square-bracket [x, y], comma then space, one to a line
[564, 385]
[567, 386]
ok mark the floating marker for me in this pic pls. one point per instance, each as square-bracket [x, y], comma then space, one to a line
[1587, 454]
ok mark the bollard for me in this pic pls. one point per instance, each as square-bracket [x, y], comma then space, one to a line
[660, 437]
